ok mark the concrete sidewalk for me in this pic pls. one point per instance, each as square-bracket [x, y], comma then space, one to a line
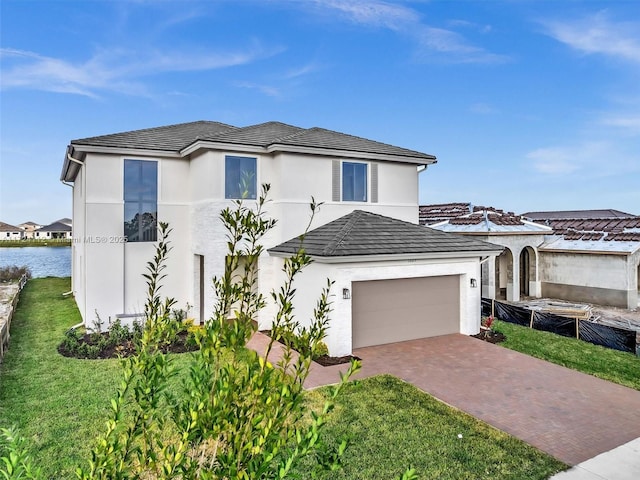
[621, 463]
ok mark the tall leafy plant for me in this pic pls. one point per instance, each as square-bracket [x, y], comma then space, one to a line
[238, 416]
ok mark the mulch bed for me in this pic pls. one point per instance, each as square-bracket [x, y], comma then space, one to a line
[324, 360]
[127, 347]
[327, 361]
[490, 336]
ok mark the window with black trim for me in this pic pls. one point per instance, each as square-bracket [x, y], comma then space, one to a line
[140, 200]
[240, 178]
[354, 182]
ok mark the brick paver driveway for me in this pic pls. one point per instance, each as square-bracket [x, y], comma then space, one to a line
[565, 413]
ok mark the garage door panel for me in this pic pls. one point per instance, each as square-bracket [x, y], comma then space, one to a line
[385, 311]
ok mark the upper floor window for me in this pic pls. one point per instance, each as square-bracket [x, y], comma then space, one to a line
[141, 200]
[240, 179]
[354, 182]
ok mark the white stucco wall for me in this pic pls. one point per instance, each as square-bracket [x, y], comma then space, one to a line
[108, 272]
[311, 281]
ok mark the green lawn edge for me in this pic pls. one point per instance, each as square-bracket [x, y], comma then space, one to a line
[60, 406]
[615, 366]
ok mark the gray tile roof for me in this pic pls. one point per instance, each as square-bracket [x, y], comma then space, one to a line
[55, 227]
[172, 138]
[363, 233]
[263, 134]
[5, 227]
[322, 138]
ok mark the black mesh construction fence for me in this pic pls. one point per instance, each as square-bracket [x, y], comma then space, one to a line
[596, 333]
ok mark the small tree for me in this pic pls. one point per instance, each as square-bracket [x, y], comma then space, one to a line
[239, 416]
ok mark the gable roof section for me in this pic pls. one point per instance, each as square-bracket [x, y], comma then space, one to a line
[183, 139]
[430, 214]
[491, 221]
[55, 227]
[365, 234]
[5, 227]
[171, 138]
[328, 139]
[577, 214]
[262, 135]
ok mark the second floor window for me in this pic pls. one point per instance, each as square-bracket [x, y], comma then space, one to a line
[354, 182]
[240, 178]
[140, 200]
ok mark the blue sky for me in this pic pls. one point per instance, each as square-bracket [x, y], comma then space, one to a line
[528, 105]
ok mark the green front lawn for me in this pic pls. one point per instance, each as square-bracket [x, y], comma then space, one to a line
[60, 404]
[605, 363]
[391, 425]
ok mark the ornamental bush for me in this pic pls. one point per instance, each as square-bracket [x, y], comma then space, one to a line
[238, 416]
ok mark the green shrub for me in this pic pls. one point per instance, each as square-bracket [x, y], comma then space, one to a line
[238, 416]
[14, 272]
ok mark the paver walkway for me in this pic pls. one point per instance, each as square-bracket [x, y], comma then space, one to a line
[568, 414]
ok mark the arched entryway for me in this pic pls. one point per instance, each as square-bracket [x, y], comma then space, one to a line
[527, 271]
[504, 273]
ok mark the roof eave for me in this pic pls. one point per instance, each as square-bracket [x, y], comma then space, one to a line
[396, 257]
[332, 152]
[236, 147]
[70, 168]
[143, 152]
[591, 252]
[492, 232]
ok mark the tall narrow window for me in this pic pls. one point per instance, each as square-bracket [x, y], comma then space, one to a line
[140, 200]
[354, 182]
[240, 177]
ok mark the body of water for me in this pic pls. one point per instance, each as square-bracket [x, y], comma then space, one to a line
[43, 261]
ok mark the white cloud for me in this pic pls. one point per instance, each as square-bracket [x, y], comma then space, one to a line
[598, 34]
[563, 160]
[482, 108]
[628, 123]
[116, 70]
[455, 46]
[448, 45]
[373, 13]
[268, 90]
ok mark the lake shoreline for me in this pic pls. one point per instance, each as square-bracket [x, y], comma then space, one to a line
[35, 243]
[42, 261]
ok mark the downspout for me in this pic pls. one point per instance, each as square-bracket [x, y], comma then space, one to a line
[69, 184]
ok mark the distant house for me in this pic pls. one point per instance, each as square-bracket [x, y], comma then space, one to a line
[590, 256]
[515, 272]
[29, 228]
[594, 256]
[55, 230]
[394, 279]
[10, 232]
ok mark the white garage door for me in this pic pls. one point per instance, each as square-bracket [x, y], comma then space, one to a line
[386, 311]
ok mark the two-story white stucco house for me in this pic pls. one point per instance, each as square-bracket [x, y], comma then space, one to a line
[395, 280]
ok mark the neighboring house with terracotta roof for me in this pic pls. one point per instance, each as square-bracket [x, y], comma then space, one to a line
[577, 214]
[588, 256]
[515, 272]
[368, 238]
[593, 258]
[29, 228]
[10, 232]
[55, 230]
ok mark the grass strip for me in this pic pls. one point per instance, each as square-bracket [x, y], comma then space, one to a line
[618, 367]
[392, 426]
